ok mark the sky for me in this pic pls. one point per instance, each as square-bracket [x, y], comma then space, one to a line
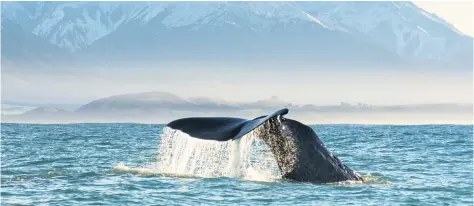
[458, 13]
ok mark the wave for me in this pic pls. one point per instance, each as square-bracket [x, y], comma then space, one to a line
[249, 158]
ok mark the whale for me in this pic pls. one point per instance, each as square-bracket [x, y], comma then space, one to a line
[299, 152]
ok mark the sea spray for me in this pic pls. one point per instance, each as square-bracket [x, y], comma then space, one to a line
[247, 157]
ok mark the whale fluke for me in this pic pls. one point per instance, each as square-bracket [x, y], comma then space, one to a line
[299, 152]
[220, 128]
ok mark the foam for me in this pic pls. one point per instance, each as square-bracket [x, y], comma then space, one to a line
[247, 157]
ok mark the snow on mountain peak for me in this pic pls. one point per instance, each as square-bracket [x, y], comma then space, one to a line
[186, 14]
[400, 27]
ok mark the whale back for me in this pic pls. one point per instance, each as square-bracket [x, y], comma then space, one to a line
[315, 162]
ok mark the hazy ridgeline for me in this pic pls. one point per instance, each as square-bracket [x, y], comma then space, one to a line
[162, 107]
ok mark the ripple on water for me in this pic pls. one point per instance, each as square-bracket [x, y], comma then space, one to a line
[76, 164]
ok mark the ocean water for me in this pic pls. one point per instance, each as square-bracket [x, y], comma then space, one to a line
[140, 164]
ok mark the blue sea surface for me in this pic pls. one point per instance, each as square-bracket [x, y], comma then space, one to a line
[73, 164]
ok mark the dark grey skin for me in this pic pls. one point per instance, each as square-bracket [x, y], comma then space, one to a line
[299, 152]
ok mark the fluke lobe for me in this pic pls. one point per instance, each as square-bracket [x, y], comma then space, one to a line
[299, 152]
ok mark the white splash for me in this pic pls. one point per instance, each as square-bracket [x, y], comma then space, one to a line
[247, 158]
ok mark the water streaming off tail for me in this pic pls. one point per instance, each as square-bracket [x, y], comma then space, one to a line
[247, 158]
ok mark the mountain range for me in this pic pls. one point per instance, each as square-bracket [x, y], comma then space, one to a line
[162, 107]
[364, 34]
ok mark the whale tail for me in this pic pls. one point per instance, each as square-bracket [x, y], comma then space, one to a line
[220, 128]
[299, 152]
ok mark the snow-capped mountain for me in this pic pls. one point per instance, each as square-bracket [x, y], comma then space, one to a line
[70, 25]
[398, 26]
[381, 31]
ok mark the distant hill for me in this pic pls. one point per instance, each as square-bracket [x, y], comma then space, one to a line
[162, 107]
[40, 115]
[44, 110]
[140, 102]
